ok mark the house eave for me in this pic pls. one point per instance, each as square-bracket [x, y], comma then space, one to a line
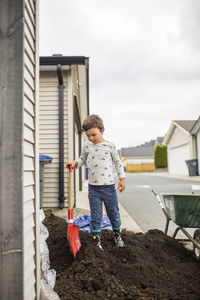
[170, 131]
[196, 127]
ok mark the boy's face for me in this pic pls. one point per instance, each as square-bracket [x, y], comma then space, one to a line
[95, 135]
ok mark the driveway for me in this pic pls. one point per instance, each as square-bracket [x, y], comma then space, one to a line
[142, 205]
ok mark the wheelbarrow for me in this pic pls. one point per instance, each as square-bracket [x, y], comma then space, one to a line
[184, 211]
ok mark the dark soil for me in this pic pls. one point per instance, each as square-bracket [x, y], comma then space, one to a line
[150, 266]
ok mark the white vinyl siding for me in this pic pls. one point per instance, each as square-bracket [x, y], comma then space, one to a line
[180, 148]
[49, 134]
[29, 150]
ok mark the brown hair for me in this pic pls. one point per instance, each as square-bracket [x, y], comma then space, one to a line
[93, 121]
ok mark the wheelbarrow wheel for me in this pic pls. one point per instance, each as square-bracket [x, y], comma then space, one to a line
[195, 249]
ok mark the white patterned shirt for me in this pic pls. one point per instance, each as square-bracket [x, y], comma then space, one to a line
[100, 159]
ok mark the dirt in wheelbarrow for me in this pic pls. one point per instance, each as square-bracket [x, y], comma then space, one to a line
[150, 266]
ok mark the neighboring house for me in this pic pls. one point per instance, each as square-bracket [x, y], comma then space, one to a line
[195, 131]
[64, 104]
[19, 181]
[181, 146]
[140, 158]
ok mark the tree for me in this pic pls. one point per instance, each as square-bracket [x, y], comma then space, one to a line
[160, 156]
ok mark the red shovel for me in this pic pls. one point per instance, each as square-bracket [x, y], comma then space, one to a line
[73, 230]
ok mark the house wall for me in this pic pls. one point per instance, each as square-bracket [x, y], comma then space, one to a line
[31, 166]
[180, 137]
[19, 185]
[83, 92]
[49, 134]
[79, 109]
[75, 110]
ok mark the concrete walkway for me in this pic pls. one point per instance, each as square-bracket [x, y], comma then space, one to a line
[128, 223]
[177, 176]
[82, 208]
[82, 204]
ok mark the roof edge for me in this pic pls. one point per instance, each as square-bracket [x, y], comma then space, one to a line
[170, 131]
[63, 60]
[195, 127]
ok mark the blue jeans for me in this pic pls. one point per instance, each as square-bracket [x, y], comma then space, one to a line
[107, 194]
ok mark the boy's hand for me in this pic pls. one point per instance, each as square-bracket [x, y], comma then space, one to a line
[73, 163]
[121, 185]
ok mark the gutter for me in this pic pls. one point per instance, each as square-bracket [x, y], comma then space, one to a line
[61, 138]
[62, 60]
[87, 75]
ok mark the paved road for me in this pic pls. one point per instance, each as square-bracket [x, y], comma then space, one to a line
[142, 205]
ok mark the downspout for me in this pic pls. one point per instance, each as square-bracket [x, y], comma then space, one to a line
[61, 138]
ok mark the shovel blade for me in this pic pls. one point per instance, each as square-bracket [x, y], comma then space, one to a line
[73, 238]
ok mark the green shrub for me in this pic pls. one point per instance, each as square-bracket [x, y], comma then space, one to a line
[160, 156]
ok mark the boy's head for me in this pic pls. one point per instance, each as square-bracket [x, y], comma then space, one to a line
[93, 121]
[94, 128]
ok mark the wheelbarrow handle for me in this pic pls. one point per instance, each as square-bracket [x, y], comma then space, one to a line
[164, 211]
[159, 200]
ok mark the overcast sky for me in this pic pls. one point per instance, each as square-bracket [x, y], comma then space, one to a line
[144, 60]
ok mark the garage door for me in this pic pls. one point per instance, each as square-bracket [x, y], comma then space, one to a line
[176, 159]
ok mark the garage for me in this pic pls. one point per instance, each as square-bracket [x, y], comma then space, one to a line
[181, 146]
[176, 159]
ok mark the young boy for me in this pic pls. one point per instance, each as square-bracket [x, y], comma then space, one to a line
[100, 155]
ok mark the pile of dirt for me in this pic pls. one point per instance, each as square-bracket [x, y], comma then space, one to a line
[150, 266]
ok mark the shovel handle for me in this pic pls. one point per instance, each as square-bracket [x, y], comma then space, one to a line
[69, 166]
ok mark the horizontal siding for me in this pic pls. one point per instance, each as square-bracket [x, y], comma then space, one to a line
[29, 120]
[49, 134]
[28, 135]
[28, 164]
[29, 78]
[30, 8]
[28, 178]
[50, 108]
[28, 106]
[29, 151]
[29, 222]
[29, 64]
[29, 195]
[29, 51]
[28, 207]
[29, 93]
[49, 127]
[29, 255]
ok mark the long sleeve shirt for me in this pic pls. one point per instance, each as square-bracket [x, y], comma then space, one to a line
[101, 159]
